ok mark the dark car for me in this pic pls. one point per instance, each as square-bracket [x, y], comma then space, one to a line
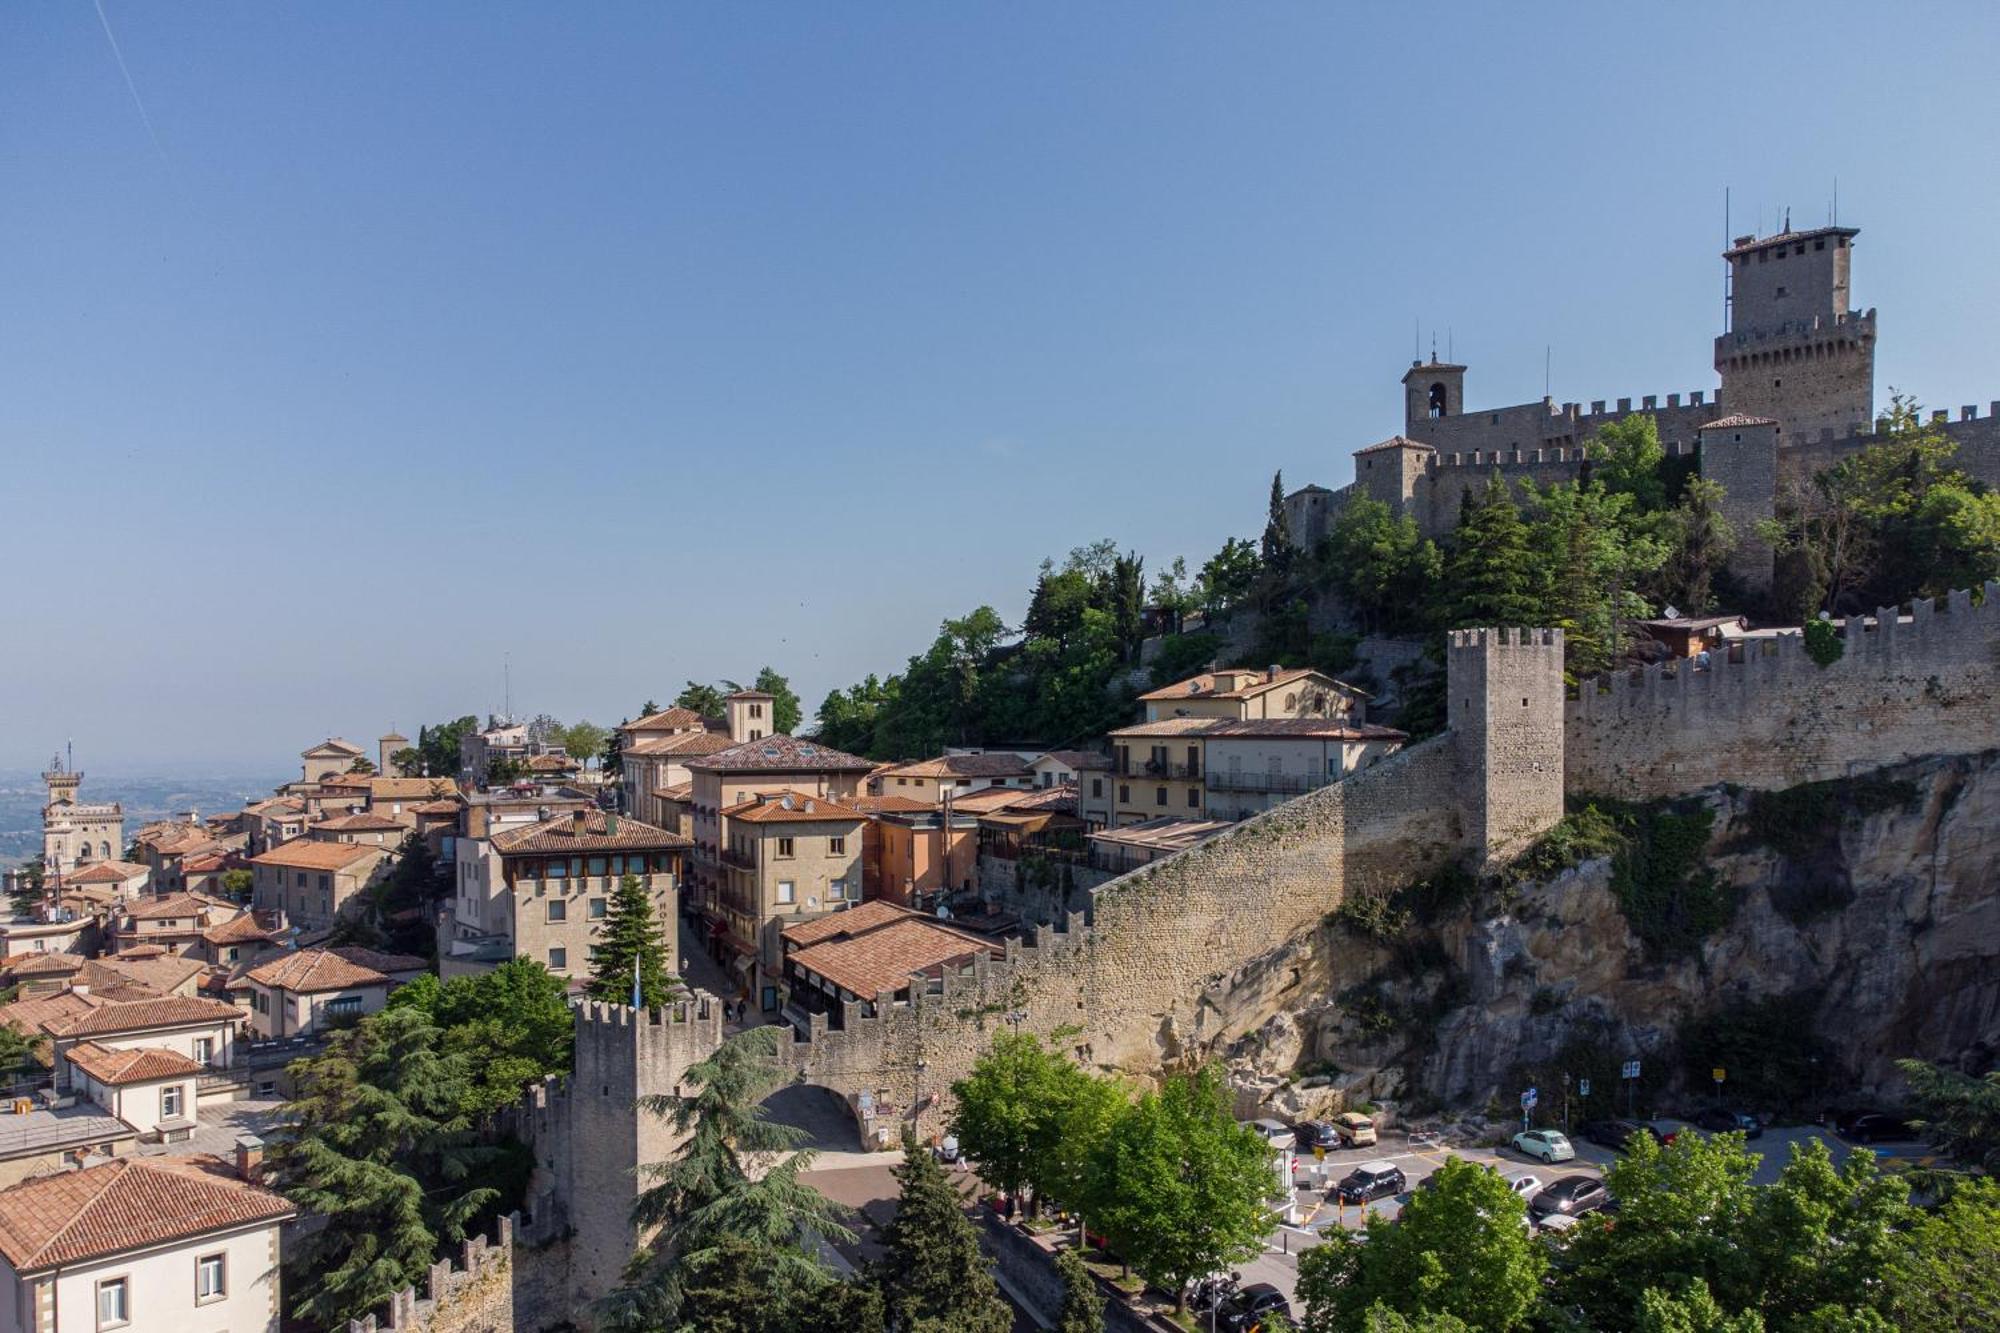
[1717, 1120]
[1613, 1134]
[1570, 1195]
[1371, 1180]
[1871, 1127]
[1254, 1306]
[1317, 1134]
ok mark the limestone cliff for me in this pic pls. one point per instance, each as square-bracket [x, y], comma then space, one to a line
[1870, 927]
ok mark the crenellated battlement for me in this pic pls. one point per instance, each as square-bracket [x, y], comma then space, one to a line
[480, 1278]
[1762, 713]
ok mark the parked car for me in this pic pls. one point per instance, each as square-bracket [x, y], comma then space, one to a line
[1274, 1132]
[1719, 1120]
[1253, 1307]
[1573, 1195]
[947, 1150]
[1317, 1134]
[1871, 1127]
[1371, 1180]
[1526, 1186]
[1613, 1134]
[1356, 1129]
[1547, 1145]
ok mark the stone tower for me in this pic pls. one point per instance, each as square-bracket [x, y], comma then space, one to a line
[1740, 452]
[1794, 351]
[1505, 712]
[75, 833]
[1431, 389]
[1393, 471]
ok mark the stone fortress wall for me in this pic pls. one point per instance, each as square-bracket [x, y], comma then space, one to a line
[1771, 717]
[1142, 981]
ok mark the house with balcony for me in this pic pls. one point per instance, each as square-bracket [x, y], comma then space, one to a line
[786, 856]
[312, 882]
[653, 756]
[1260, 763]
[305, 992]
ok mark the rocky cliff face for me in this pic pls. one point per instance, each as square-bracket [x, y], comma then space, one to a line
[1875, 925]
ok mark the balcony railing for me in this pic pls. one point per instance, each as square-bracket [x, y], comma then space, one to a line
[1161, 768]
[739, 860]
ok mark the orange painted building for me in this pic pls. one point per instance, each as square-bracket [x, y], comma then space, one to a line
[908, 855]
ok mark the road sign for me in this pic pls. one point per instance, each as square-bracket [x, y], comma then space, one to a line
[1716, 1073]
[1583, 1087]
[1529, 1098]
[1631, 1069]
[1319, 1153]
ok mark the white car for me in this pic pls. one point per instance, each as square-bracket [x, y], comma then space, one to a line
[1555, 1221]
[1546, 1145]
[1526, 1186]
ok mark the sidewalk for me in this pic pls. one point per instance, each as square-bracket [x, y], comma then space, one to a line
[703, 974]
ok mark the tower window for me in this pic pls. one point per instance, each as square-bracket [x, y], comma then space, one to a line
[1820, 244]
[1781, 291]
[1437, 401]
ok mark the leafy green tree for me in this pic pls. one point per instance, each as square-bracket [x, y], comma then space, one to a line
[1173, 593]
[786, 711]
[1460, 1250]
[703, 699]
[1382, 567]
[513, 1023]
[1228, 577]
[1698, 541]
[932, 1274]
[1625, 457]
[1490, 573]
[1591, 558]
[1817, 1241]
[438, 744]
[238, 884]
[1179, 1187]
[1027, 1116]
[363, 766]
[1957, 1112]
[1946, 1274]
[583, 741]
[26, 898]
[632, 934]
[409, 761]
[712, 1211]
[378, 1142]
[848, 718]
[1083, 1306]
[17, 1048]
[504, 769]
[1691, 1309]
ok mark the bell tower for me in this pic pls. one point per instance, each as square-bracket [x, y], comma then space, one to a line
[1432, 390]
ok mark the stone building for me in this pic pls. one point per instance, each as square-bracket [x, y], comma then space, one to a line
[1795, 356]
[76, 833]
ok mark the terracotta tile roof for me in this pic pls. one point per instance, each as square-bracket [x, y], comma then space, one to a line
[276, 805]
[681, 742]
[552, 763]
[244, 929]
[35, 1014]
[988, 799]
[106, 872]
[962, 766]
[120, 977]
[147, 1064]
[313, 970]
[130, 1204]
[165, 906]
[792, 807]
[780, 754]
[667, 719]
[554, 835]
[1165, 833]
[749, 694]
[856, 920]
[1242, 683]
[203, 862]
[1737, 419]
[1395, 442]
[891, 805]
[138, 1015]
[680, 791]
[446, 807]
[312, 854]
[336, 744]
[883, 959]
[42, 965]
[410, 789]
[361, 823]
[1078, 759]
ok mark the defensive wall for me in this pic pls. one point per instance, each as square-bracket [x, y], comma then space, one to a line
[1764, 714]
[515, 1281]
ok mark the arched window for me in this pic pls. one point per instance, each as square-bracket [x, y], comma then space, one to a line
[83, 850]
[1437, 401]
[104, 851]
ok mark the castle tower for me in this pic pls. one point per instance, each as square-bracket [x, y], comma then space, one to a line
[1431, 390]
[1392, 471]
[385, 746]
[1505, 713]
[749, 714]
[75, 833]
[1794, 350]
[1740, 452]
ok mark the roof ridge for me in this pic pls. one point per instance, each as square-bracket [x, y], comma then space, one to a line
[83, 1208]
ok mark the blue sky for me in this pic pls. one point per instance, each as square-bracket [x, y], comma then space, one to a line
[641, 342]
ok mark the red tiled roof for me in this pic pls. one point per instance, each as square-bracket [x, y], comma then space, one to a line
[792, 807]
[147, 1064]
[856, 920]
[106, 872]
[361, 823]
[138, 1015]
[313, 970]
[890, 805]
[962, 766]
[680, 742]
[1396, 442]
[667, 719]
[555, 834]
[126, 1205]
[312, 854]
[1078, 759]
[1204, 685]
[884, 959]
[242, 930]
[172, 905]
[42, 964]
[780, 754]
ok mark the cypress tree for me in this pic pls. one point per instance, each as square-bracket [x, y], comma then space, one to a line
[933, 1276]
[1491, 575]
[631, 930]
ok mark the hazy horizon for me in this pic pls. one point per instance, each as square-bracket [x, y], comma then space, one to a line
[354, 352]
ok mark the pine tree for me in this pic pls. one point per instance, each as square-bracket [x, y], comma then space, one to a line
[1491, 572]
[379, 1144]
[1082, 1307]
[933, 1276]
[631, 930]
[1277, 546]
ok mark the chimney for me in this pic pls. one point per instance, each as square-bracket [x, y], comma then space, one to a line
[578, 822]
[610, 824]
[80, 988]
[1273, 673]
[250, 1158]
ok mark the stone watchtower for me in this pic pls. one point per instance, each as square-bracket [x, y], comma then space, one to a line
[1432, 390]
[1740, 452]
[1505, 714]
[1794, 351]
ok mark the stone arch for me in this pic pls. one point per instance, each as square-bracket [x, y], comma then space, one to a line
[828, 1118]
[1439, 404]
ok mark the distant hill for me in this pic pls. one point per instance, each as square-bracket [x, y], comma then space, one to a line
[145, 798]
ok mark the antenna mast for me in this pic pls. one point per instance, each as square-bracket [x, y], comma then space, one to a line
[1728, 269]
